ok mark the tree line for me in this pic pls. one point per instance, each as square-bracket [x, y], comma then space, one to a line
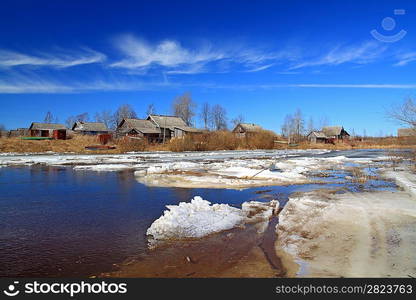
[212, 117]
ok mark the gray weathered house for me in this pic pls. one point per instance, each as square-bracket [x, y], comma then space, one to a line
[335, 132]
[18, 132]
[57, 131]
[171, 126]
[139, 128]
[245, 129]
[90, 128]
[4, 133]
[317, 137]
[406, 132]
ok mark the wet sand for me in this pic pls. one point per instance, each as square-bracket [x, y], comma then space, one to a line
[237, 253]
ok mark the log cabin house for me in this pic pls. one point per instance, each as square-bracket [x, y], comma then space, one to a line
[245, 129]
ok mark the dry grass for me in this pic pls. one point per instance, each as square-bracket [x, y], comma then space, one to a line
[223, 140]
[210, 141]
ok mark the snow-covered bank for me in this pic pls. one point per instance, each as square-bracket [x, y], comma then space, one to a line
[404, 179]
[349, 235]
[199, 218]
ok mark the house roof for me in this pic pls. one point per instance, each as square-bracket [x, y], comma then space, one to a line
[249, 127]
[187, 129]
[46, 126]
[332, 130]
[406, 132]
[318, 134]
[89, 126]
[144, 126]
[167, 121]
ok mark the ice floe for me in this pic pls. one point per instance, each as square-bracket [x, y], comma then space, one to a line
[216, 169]
[200, 218]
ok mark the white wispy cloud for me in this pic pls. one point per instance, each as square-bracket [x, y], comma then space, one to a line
[405, 58]
[174, 58]
[169, 53]
[31, 85]
[364, 53]
[61, 59]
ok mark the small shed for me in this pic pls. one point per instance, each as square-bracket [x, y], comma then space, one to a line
[90, 128]
[4, 133]
[245, 129]
[18, 132]
[56, 131]
[317, 137]
[406, 132]
[335, 132]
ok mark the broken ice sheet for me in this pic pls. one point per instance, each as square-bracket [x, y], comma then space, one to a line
[200, 218]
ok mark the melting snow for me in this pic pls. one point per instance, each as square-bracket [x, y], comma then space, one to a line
[200, 218]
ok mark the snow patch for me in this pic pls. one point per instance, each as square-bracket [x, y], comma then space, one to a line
[349, 235]
[200, 218]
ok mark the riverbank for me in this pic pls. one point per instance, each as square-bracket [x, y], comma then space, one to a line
[77, 145]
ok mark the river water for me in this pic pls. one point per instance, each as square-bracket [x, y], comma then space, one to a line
[58, 222]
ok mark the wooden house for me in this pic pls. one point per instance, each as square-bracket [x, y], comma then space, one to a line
[138, 128]
[245, 129]
[90, 128]
[335, 132]
[171, 126]
[317, 137]
[406, 132]
[56, 131]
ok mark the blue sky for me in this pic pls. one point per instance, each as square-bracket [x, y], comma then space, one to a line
[261, 59]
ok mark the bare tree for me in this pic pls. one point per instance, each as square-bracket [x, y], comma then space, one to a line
[49, 118]
[219, 117]
[323, 122]
[106, 117]
[238, 120]
[70, 121]
[125, 111]
[184, 107]
[404, 113]
[84, 117]
[2, 127]
[151, 110]
[206, 115]
[299, 124]
[311, 125]
[286, 126]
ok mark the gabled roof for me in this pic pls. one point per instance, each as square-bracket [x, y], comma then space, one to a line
[167, 121]
[144, 126]
[89, 126]
[188, 129]
[406, 132]
[332, 130]
[46, 126]
[249, 127]
[318, 134]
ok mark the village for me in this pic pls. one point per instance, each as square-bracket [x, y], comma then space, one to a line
[165, 129]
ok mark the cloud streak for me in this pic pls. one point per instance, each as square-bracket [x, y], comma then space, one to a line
[365, 53]
[405, 59]
[171, 57]
[65, 59]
